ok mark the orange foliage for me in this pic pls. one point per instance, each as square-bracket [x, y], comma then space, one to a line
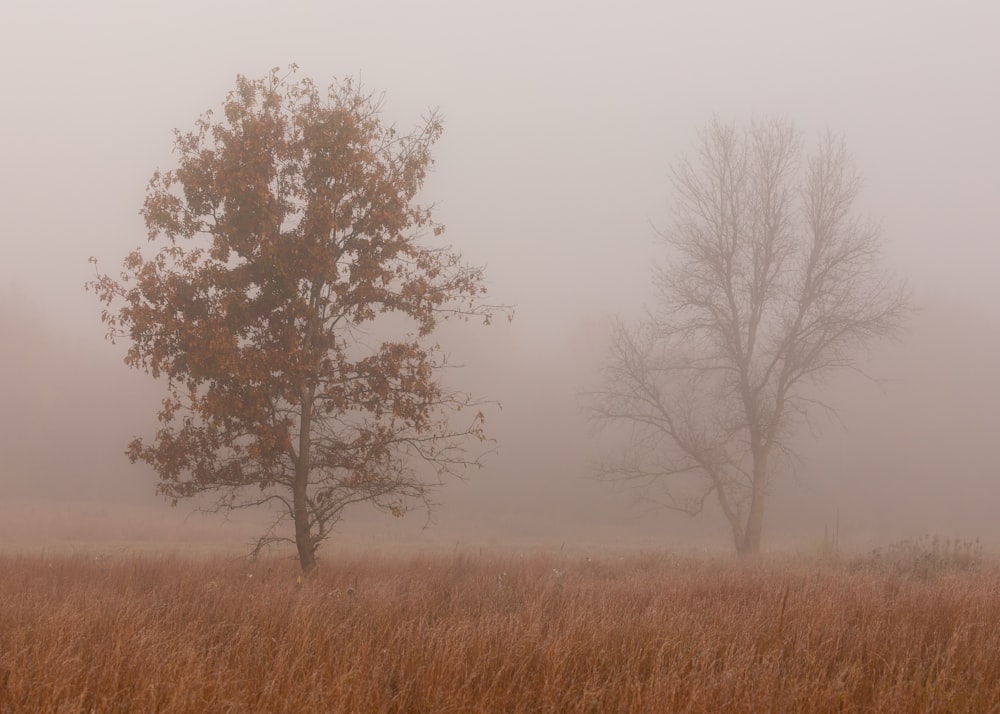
[287, 227]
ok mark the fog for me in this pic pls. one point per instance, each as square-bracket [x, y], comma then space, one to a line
[561, 123]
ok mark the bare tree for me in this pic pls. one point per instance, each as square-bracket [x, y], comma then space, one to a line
[772, 283]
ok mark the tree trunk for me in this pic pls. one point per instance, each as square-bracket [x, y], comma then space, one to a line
[300, 503]
[733, 516]
[740, 541]
[755, 519]
[303, 533]
[755, 524]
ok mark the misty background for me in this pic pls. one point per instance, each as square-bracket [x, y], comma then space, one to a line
[562, 121]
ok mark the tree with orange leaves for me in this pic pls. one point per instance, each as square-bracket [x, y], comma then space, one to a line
[289, 304]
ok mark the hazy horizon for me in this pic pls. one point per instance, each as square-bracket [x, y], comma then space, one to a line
[562, 121]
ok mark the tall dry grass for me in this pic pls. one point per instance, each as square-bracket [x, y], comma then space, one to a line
[461, 633]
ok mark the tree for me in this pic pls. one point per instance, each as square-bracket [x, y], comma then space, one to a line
[290, 244]
[772, 284]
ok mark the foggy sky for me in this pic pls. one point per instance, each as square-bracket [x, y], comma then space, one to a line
[561, 123]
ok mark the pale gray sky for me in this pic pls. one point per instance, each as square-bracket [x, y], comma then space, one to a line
[561, 122]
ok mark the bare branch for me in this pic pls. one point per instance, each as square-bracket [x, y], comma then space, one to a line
[772, 284]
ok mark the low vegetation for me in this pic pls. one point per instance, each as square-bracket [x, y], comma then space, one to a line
[926, 556]
[467, 633]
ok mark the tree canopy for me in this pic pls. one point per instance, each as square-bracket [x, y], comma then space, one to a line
[289, 305]
[771, 283]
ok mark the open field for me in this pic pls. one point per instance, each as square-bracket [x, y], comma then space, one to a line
[464, 632]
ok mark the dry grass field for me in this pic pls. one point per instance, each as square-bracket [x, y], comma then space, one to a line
[901, 631]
